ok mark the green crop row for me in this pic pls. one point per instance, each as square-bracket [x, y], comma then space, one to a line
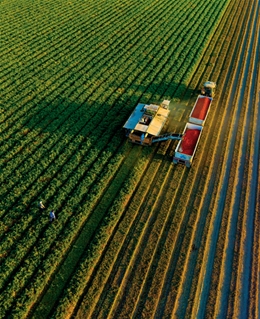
[69, 297]
[58, 141]
[19, 147]
[18, 115]
[72, 217]
[92, 255]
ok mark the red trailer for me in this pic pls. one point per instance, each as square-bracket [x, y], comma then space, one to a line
[200, 110]
[186, 148]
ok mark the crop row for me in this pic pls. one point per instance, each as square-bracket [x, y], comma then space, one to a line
[68, 217]
[57, 113]
[41, 281]
[103, 274]
[219, 137]
[192, 264]
[82, 25]
[53, 27]
[238, 195]
[100, 213]
[18, 115]
[69, 46]
[24, 184]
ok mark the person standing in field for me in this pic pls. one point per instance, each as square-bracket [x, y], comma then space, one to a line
[41, 206]
[52, 216]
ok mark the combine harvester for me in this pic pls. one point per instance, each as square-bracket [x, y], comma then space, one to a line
[185, 150]
[146, 123]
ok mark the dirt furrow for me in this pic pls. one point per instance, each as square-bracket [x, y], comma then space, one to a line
[125, 231]
[152, 239]
[168, 278]
[236, 195]
[207, 264]
[199, 213]
[130, 227]
[254, 304]
[167, 249]
[146, 244]
[242, 298]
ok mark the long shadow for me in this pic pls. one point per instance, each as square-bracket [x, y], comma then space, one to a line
[66, 114]
[51, 127]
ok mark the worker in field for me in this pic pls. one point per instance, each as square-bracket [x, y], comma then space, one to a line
[41, 206]
[52, 216]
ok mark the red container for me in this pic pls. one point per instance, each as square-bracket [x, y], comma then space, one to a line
[189, 141]
[201, 108]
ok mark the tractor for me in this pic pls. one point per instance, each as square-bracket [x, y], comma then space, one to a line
[208, 89]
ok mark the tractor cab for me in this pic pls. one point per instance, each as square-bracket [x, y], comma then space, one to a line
[209, 89]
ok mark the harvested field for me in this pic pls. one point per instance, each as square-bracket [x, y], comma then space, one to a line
[136, 236]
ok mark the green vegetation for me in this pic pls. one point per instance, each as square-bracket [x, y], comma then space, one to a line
[71, 72]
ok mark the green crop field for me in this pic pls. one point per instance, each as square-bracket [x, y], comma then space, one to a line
[71, 73]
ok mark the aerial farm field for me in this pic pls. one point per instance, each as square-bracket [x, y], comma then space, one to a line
[135, 235]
